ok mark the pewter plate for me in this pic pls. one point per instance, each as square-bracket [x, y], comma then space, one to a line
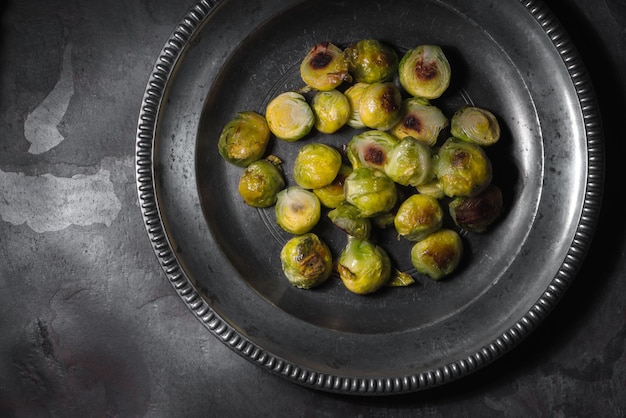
[222, 257]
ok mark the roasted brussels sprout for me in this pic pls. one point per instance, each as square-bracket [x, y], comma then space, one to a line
[462, 168]
[363, 266]
[331, 109]
[409, 163]
[348, 218]
[261, 181]
[420, 120]
[476, 125]
[424, 71]
[371, 61]
[477, 213]
[370, 149]
[244, 139]
[289, 116]
[316, 165]
[371, 191]
[418, 216]
[380, 106]
[324, 67]
[438, 254]
[297, 210]
[332, 195]
[354, 93]
[306, 261]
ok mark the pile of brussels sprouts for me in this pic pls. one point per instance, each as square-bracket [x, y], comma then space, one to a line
[396, 146]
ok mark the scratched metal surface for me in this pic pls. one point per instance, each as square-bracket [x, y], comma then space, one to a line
[89, 324]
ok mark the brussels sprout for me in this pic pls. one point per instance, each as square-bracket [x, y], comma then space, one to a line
[289, 116]
[371, 61]
[261, 181]
[371, 191]
[409, 163]
[348, 218]
[424, 71]
[297, 210]
[477, 213]
[432, 188]
[380, 105]
[332, 195]
[354, 93]
[418, 216]
[363, 267]
[438, 254]
[331, 109]
[462, 168]
[370, 149]
[306, 261]
[420, 120]
[476, 125]
[316, 165]
[244, 139]
[324, 67]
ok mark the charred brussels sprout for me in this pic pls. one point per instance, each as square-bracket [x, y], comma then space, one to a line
[244, 139]
[289, 116]
[477, 213]
[420, 120]
[380, 105]
[438, 254]
[409, 163]
[297, 210]
[418, 216]
[332, 195]
[316, 165]
[306, 261]
[354, 94]
[462, 168]
[363, 266]
[371, 191]
[348, 218]
[425, 71]
[371, 61]
[324, 67]
[476, 125]
[370, 149]
[331, 109]
[261, 181]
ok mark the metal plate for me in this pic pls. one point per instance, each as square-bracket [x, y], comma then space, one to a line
[222, 257]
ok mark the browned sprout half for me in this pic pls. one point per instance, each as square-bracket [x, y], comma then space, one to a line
[289, 116]
[420, 120]
[331, 109]
[437, 255]
[476, 125]
[261, 181]
[244, 139]
[354, 93]
[370, 149]
[462, 168]
[306, 261]
[297, 210]
[425, 71]
[316, 165]
[477, 213]
[363, 266]
[371, 61]
[371, 191]
[418, 216]
[332, 195]
[409, 163]
[380, 105]
[324, 67]
[348, 218]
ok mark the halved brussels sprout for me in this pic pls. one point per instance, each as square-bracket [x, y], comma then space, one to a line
[424, 71]
[306, 261]
[324, 67]
[348, 218]
[437, 255]
[289, 116]
[420, 120]
[371, 61]
[462, 168]
[244, 139]
[354, 93]
[363, 266]
[370, 149]
[477, 213]
[409, 163]
[316, 165]
[331, 109]
[297, 210]
[418, 216]
[261, 181]
[332, 195]
[371, 191]
[476, 125]
[380, 105]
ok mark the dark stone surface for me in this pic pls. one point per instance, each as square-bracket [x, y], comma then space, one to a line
[90, 327]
